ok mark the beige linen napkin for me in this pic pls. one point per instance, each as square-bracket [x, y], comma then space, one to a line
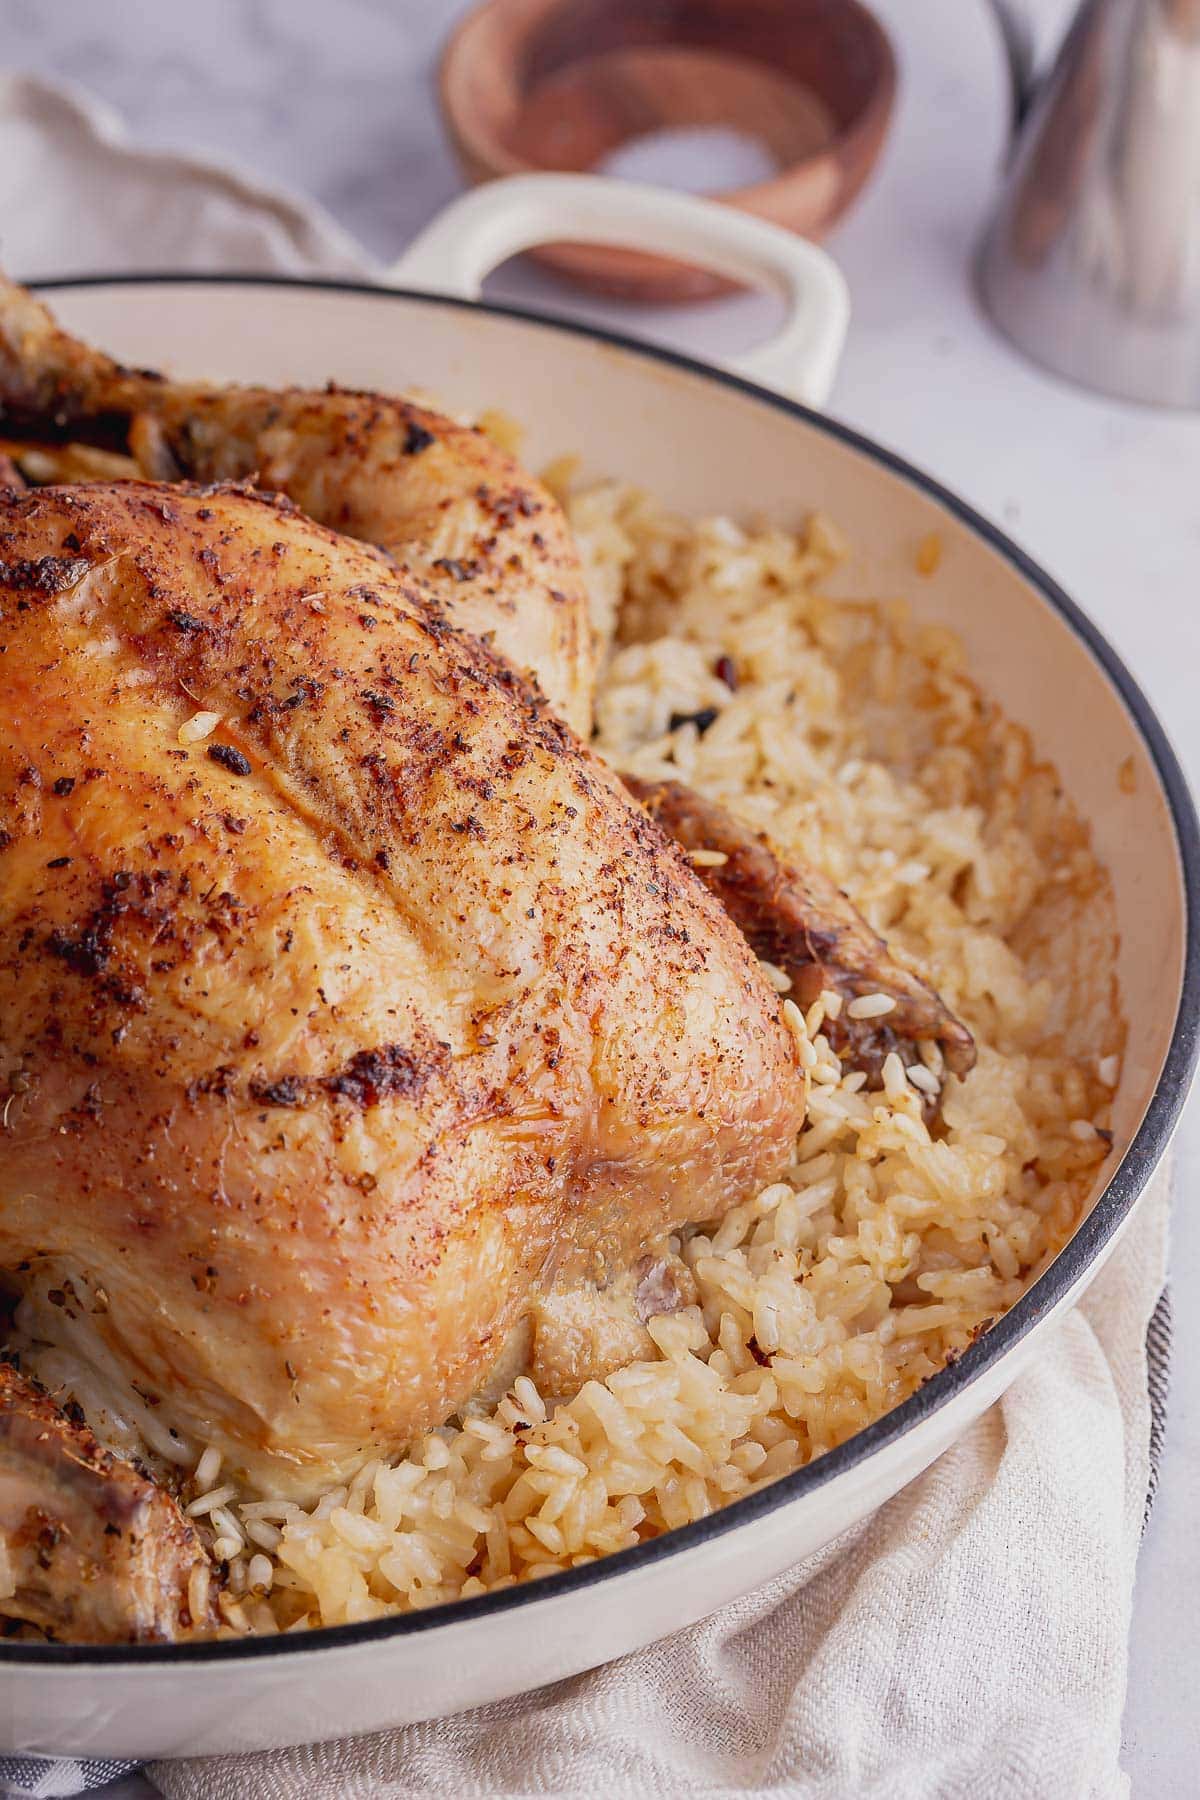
[970, 1639]
[76, 198]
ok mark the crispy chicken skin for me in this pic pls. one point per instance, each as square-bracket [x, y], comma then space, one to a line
[331, 1040]
[441, 497]
[89, 1549]
[803, 923]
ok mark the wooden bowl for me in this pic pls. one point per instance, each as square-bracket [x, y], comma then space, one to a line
[561, 84]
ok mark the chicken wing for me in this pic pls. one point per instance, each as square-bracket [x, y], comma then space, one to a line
[803, 923]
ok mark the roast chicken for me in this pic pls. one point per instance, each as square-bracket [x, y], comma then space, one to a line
[350, 1008]
[338, 1031]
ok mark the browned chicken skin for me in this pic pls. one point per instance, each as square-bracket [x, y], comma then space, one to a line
[337, 1041]
[803, 923]
[91, 1549]
[335, 1037]
[440, 496]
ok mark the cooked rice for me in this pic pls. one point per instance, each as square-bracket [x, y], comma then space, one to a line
[854, 738]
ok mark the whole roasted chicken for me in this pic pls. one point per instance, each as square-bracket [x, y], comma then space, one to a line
[348, 1004]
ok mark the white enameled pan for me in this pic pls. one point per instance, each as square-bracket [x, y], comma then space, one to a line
[705, 440]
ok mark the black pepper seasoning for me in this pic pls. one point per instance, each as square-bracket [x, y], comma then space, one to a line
[230, 758]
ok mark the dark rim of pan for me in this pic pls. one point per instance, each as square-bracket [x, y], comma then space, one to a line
[1072, 1262]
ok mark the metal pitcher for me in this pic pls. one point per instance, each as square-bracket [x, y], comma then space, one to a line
[1092, 262]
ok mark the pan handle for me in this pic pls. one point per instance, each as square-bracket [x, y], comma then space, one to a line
[477, 232]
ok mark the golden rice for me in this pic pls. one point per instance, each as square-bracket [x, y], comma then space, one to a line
[856, 740]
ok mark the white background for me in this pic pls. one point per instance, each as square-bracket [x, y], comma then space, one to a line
[338, 101]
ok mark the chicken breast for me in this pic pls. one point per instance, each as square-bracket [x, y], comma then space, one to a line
[347, 1003]
[441, 497]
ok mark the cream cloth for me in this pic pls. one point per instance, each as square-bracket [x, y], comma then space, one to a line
[76, 198]
[970, 1639]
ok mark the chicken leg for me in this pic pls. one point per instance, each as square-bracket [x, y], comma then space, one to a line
[439, 496]
[89, 1548]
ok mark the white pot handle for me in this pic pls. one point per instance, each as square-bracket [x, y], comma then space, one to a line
[477, 232]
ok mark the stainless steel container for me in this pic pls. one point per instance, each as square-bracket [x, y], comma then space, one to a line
[1091, 264]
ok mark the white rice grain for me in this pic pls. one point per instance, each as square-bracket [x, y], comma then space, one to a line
[870, 1006]
[199, 726]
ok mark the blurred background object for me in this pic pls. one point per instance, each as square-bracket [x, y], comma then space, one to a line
[1092, 264]
[780, 107]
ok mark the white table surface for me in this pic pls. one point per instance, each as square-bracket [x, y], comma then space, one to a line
[337, 100]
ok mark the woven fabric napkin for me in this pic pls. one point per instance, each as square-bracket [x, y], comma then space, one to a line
[969, 1639]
